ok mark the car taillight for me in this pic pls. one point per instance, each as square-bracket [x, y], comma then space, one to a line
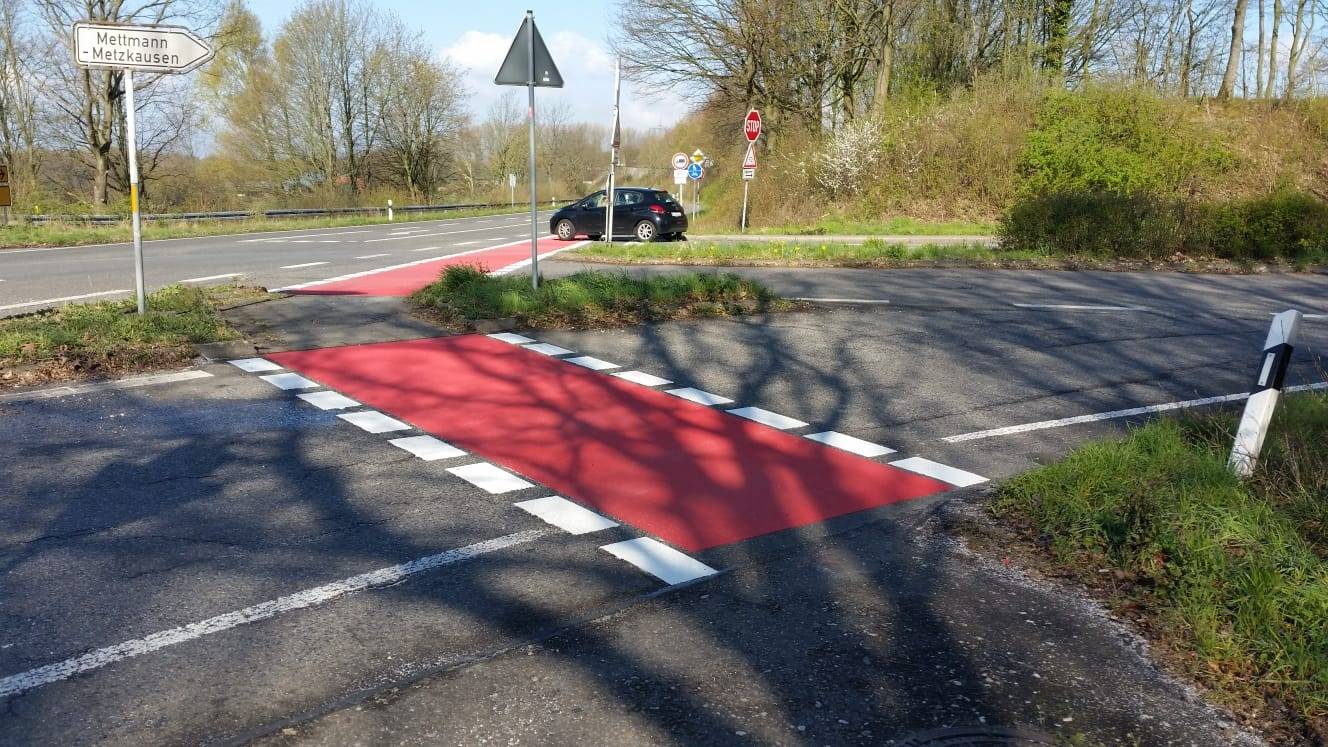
[659, 209]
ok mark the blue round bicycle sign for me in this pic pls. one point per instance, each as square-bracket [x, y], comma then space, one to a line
[695, 172]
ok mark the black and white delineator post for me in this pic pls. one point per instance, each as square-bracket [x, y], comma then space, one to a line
[529, 64]
[1263, 398]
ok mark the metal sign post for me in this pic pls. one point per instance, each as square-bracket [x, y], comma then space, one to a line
[158, 49]
[527, 56]
[615, 143]
[511, 187]
[751, 129]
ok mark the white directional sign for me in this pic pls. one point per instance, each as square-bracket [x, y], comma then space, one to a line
[158, 49]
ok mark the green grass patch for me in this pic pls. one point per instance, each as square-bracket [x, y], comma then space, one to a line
[1232, 574]
[464, 295]
[839, 226]
[872, 253]
[74, 234]
[110, 338]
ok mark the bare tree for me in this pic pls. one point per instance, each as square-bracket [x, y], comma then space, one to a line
[1233, 55]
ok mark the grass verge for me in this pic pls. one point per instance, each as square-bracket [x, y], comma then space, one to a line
[104, 339]
[73, 234]
[883, 254]
[464, 295]
[1231, 575]
[833, 225]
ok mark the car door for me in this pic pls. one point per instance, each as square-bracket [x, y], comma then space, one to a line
[590, 217]
[626, 211]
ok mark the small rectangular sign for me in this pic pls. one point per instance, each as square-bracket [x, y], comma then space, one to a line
[680, 176]
[6, 199]
[4, 174]
[748, 174]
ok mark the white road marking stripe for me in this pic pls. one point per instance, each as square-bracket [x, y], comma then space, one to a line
[851, 444]
[428, 249]
[659, 560]
[526, 262]
[211, 277]
[844, 300]
[489, 478]
[24, 681]
[427, 448]
[766, 417]
[943, 472]
[547, 348]
[328, 400]
[288, 238]
[594, 364]
[1078, 307]
[132, 382]
[62, 299]
[642, 378]
[465, 243]
[698, 396]
[375, 271]
[306, 264]
[373, 256]
[289, 381]
[1011, 430]
[436, 233]
[254, 365]
[511, 337]
[374, 421]
[566, 515]
[1303, 316]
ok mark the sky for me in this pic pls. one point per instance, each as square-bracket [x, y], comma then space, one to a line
[475, 35]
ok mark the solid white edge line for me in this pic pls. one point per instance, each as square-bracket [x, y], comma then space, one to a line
[212, 277]
[101, 386]
[526, 262]
[303, 264]
[1115, 414]
[844, 300]
[659, 560]
[45, 675]
[365, 273]
[62, 299]
[1078, 307]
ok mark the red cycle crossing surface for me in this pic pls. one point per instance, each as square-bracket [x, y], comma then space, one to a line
[403, 281]
[692, 475]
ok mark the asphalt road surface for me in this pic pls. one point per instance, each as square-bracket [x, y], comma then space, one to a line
[31, 279]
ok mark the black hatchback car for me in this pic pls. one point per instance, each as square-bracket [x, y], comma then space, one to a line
[644, 214]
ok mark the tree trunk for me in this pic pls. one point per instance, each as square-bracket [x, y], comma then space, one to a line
[1268, 88]
[1234, 53]
[884, 61]
[1258, 69]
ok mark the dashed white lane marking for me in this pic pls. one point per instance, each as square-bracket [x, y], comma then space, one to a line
[509, 269]
[594, 364]
[851, 444]
[766, 417]
[465, 243]
[131, 382]
[255, 365]
[427, 448]
[1011, 430]
[428, 249]
[489, 478]
[868, 301]
[511, 337]
[304, 236]
[659, 560]
[435, 233]
[289, 381]
[328, 400]
[374, 256]
[24, 681]
[374, 421]
[566, 515]
[642, 378]
[1077, 307]
[62, 299]
[943, 472]
[547, 348]
[698, 396]
[376, 270]
[211, 277]
[305, 264]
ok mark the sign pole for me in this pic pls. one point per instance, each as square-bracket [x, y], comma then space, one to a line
[745, 182]
[534, 218]
[132, 139]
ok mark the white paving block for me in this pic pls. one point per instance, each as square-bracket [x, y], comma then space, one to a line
[374, 421]
[511, 337]
[328, 400]
[594, 364]
[943, 472]
[851, 443]
[765, 417]
[660, 560]
[490, 478]
[254, 365]
[427, 448]
[642, 378]
[566, 515]
[289, 381]
[700, 397]
[548, 349]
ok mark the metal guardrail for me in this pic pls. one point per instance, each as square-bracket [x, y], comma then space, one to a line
[268, 214]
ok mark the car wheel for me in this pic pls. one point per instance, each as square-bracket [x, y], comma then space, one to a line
[594, 236]
[566, 231]
[645, 231]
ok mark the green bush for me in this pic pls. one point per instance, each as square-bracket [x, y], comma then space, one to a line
[1120, 141]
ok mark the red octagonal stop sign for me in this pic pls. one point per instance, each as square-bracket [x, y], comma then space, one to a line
[751, 126]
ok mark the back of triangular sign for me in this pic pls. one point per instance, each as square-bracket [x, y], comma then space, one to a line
[515, 70]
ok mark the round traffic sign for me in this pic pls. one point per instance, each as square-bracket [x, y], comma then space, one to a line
[680, 160]
[751, 125]
[695, 171]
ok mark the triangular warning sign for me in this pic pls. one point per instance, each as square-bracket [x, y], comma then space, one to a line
[516, 69]
[749, 162]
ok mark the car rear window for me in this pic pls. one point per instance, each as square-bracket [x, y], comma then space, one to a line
[662, 197]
